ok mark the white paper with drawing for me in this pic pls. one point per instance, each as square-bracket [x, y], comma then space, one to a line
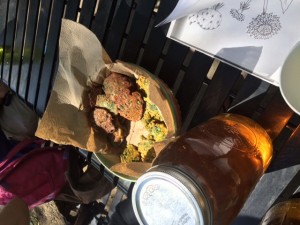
[254, 35]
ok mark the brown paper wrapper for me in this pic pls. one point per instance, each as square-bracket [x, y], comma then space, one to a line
[82, 61]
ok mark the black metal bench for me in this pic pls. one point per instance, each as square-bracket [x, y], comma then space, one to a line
[28, 56]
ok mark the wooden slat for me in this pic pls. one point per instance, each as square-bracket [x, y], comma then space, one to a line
[138, 28]
[48, 70]
[173, 61]
[3, 19]
[291, 190]
[289, 155]
[249, 96]
[157, 37]
[295, 120]
[216, 93]
[31, 24]
[233, 92]
[9, 40]
[87, 12]
[103, 18]
[276, 116]
[192, 81]
[113, 40]
[39, 48]
[18, 45]
[250, 85]
[72, 9]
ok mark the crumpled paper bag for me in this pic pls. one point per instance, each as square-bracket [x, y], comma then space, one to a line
[83, 61]
[81, 58]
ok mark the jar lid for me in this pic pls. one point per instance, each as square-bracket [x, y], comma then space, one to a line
[165, 195]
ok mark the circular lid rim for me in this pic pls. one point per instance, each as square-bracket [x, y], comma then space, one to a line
[174, 181]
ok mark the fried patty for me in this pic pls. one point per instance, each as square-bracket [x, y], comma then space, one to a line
[116, 83]
[104, 120]
[130, 106]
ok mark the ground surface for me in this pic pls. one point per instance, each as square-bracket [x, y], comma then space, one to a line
[46, 214]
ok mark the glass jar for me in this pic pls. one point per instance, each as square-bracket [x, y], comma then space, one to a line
[204, 176]
[283, 213]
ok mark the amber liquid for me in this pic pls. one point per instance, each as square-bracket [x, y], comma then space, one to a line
[226, 156]
[283, 213]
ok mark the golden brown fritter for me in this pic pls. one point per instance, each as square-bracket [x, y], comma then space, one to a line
[130, 106]
[119, 89]
[116, 83]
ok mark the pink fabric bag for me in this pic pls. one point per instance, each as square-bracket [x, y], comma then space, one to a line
[36, 177]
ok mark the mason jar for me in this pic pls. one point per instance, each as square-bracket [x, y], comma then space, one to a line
[283, 213]
[204, 176]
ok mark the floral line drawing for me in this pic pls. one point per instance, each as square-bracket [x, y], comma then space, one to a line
[238, 13]
[285, 4]
[265, 25]
[208, 18]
